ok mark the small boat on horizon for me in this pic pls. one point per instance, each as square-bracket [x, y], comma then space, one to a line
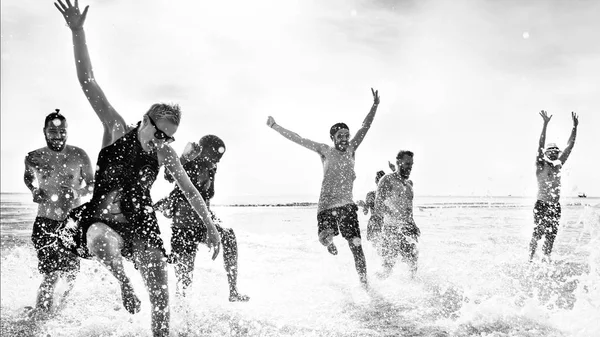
[582, 195]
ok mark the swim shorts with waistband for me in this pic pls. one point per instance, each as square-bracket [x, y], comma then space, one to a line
[55, 247]
[338, 220]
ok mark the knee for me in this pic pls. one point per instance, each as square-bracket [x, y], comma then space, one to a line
[355, 242]
[102, 243]
[228, 237]
[50, 280]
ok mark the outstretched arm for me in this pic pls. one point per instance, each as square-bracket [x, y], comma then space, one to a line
[571, 142]
[366, 125]
[168, 157]
[114, 125]
[294, 137]
[542, 142]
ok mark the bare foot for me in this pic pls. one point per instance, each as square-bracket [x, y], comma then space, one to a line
[235, 297]
[384, 274]
[36, 314]
[332, 249]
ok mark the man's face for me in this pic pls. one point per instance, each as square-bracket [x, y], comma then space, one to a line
[56, 134]
[341, 139]
[404, 165]
[552, 153]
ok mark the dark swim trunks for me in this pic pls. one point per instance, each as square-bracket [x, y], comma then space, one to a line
[400, 240]
[338, 220]
[188, 232]
[546, 216]
[55, 247]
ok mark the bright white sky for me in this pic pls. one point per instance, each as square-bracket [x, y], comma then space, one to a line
[461, 84]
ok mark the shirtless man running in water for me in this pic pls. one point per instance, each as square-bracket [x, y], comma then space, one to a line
[549, 162]
[63, 174]
[394, 203]
[336, 210]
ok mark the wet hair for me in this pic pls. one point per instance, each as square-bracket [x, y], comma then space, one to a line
[170, 112]
[54, 115]
[214, 142]
[379, 175]
[337, 127]
[403, 153]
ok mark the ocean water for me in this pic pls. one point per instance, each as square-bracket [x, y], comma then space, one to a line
[474, 278]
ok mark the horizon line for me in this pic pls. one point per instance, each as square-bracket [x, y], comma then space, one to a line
[428, 195]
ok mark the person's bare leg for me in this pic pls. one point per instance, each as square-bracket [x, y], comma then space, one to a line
[70, 280]
[359, 259]
[389, 256]
[153, 266]
[532, 248]
[184, 271]
[413, 262]
[326, 239]
[45, 297]
[106, 244]
[551, 233]
[230, 259]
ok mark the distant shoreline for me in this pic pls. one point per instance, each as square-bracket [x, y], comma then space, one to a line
[421, 202]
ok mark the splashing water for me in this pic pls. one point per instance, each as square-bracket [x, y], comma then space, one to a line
[474, 279]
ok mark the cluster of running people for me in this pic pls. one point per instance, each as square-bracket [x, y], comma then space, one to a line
[119, 221]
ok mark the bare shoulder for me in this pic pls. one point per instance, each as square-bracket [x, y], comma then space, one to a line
[128, 127]
[41, 151]
[385, 180]
[115, 132]
[34, 157]
[324, 148]
[76, 152]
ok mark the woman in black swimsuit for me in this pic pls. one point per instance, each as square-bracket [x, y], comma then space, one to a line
[119, 221]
